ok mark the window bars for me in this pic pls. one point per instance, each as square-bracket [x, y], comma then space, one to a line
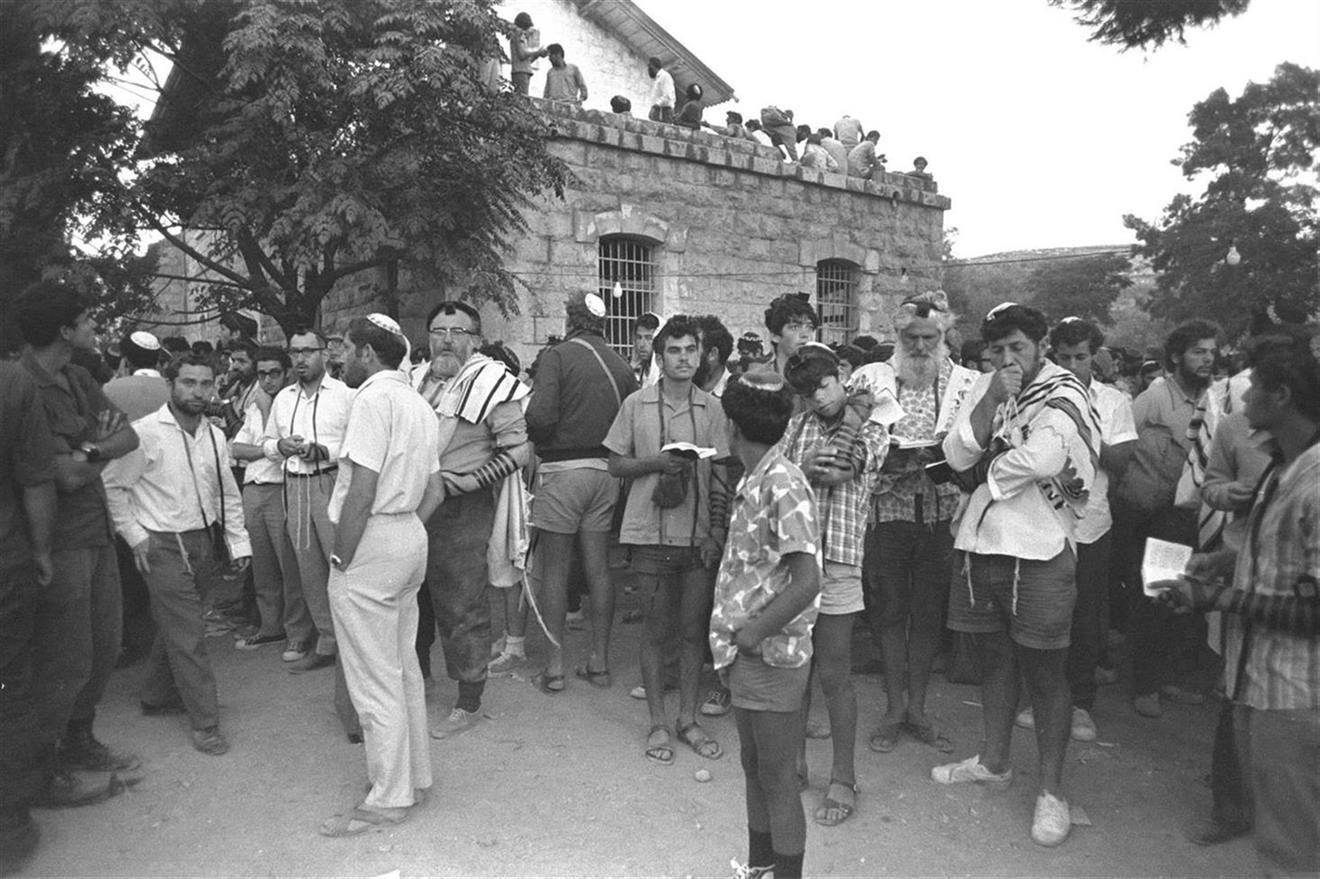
[627, 284]
[836, 300]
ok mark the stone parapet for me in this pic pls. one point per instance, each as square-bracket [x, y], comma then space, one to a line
[571, 122]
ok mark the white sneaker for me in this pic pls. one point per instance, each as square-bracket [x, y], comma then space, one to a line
[1083, 727]
[505, 663]
[1026, 719]
[458, 721]
[497, 646]
[743, 871]
[969, 770]
[1052, 822]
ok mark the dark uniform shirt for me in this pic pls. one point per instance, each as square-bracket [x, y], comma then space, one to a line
[82, 519]
[27, 458]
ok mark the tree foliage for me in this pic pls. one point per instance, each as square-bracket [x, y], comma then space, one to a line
[342, 136]
[1148, 24]
[1085, 287]
[1257, 155]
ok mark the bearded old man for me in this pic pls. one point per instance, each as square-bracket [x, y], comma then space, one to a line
[909, 547]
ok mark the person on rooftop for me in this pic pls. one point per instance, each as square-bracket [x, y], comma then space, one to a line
[864, 161]
[662, 91]
[690, 115]
[563, 81]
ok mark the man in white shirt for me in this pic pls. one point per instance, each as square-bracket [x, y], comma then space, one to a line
[305, 428]
[388, 484]
[275, 578]
[662, 91]
[1025, 444]
[165, 497]
[1074, 342]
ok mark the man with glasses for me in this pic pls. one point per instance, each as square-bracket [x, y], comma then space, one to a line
[169, 498]
[304, 431]
[792, 323]
[275, 578]
[483, 440]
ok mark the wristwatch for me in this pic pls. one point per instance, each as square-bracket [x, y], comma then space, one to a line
[336, 562]
[92, 451]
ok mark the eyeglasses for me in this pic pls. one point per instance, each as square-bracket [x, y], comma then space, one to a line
[303, 352]
[450, 332]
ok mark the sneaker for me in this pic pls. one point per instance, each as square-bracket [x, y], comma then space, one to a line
[294, 651]
[505, 663]
[1148, 705]
[1083, 727]
[575, 620]
[1052, 822]
[311, 662]
[1179, 696]
[637, 692]
[969, 770]
[746, 871]
[255, 640]
[64, 790]
[458, 721]
[717, 704]
[497, 646]
[1026, 719]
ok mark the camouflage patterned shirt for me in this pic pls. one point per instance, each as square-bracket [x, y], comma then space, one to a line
[774, 514]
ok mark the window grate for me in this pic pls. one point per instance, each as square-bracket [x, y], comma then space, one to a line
[629, 264]
[836, 300]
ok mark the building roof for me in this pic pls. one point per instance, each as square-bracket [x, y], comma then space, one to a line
[641, 33]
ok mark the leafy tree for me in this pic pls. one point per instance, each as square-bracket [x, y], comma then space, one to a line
[1148, 24]
[63, 145]
[1258, 153]
[1084, 287]
[974, 288]
[302, 145]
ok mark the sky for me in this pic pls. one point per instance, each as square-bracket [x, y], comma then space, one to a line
[1041, 138]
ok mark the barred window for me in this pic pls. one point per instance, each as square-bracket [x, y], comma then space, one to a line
[627, 284]
[836, 300]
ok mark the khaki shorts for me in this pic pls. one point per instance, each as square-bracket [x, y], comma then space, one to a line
[573, 501]
[841, 589]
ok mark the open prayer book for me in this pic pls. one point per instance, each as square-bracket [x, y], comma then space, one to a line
[1163, 561]
[907, 442]
[688, 450]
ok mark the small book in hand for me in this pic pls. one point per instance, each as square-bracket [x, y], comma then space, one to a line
[688, 450]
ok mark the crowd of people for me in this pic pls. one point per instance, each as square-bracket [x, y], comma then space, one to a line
[341, 504]
[847, 148]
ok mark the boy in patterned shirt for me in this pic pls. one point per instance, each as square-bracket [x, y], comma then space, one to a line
[766, 600]
[840, 451]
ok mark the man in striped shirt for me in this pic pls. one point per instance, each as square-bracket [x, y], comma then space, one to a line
[1269, 592]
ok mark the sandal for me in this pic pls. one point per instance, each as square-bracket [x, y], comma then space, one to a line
[660, 752]
[704, 746]
[600, 679]
[834, 812]
[885, 738]
[551, 685]
[928, 735]
[357, 822]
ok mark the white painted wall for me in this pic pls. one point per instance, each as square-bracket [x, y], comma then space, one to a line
[607, 65]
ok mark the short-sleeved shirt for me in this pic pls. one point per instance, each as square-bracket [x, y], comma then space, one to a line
[774, 515]
[1116, 426]
[27, 457]
[82, 519]
[636, 433]
[564, 83]
[392, 431]
[844, 508]
[1161, 414]
[138, 394]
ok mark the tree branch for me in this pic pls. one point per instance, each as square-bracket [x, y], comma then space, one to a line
[220, 268]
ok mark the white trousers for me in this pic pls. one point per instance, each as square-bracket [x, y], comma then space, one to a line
[374, 603]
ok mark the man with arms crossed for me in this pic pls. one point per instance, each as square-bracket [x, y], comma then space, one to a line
[378, 506]
[1026, 443]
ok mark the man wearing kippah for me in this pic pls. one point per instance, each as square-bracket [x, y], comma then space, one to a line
[379, 503]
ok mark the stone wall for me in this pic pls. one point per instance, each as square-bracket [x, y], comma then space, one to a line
[731, 227]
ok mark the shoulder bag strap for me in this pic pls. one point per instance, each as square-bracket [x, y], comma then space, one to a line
[618, 397]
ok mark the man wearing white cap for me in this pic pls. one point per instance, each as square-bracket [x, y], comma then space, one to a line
[380, 549]
[138, 387]
[580, 385]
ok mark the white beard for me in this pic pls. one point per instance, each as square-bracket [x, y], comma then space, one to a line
[918, 372]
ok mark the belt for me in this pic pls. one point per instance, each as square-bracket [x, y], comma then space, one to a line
[310, 475]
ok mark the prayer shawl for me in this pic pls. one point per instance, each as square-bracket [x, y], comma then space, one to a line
[1220, 399]
[480, 385]
[1066, 492]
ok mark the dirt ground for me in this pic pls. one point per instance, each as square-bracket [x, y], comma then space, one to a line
[560, 787]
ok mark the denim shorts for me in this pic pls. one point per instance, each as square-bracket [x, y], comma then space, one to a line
[575, 501]
[1031, 599]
